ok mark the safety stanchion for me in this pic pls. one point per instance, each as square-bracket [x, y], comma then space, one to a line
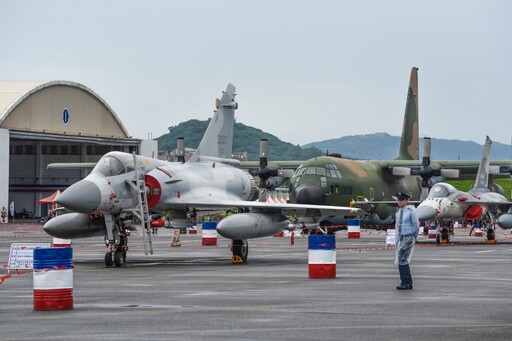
[354, 229]
[209, 234]
[53, 278]
[322, 256]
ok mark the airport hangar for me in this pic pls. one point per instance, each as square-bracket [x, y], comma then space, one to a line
[42, 122]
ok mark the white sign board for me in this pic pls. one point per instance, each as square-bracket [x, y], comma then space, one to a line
[21, 255]
[390, 237]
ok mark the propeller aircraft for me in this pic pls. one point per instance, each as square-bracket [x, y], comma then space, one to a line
[371, 184]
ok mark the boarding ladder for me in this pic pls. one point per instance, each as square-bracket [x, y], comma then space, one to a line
[142, 209]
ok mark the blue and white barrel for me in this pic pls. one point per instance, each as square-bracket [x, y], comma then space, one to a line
[53, 278]
[354, 228]
[322, 256]
[209, 233]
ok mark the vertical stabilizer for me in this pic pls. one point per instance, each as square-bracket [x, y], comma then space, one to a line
[482, 177]
[409, 143]
[217, 142]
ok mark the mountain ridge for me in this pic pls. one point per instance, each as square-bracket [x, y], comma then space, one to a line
[376, 146]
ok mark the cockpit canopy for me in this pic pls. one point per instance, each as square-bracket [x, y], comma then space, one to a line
[330, 170]
[441, 190]
[113, 163]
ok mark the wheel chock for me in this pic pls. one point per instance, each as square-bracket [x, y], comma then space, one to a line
[237, 260]
[489, 241]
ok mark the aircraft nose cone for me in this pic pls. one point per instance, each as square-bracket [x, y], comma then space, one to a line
[83, 196]
[308, 194]
[425, 212]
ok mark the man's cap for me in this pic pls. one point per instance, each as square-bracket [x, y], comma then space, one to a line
[401, 196]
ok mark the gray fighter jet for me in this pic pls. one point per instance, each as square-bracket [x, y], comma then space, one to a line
[483, 202]
[123, 185]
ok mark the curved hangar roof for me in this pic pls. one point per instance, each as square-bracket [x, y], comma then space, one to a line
[57, 107]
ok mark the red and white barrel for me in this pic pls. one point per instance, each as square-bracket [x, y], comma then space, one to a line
[209, 234]
[322, 256]
[478, 233]
[58, 242]
[53, 278]
[432, 232]
[354, 228]
[193, 229]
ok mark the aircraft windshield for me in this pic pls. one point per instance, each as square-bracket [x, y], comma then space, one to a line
[441, 190]
[330, 170]
[110, 166]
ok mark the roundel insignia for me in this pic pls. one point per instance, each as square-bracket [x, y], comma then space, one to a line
[65, 116]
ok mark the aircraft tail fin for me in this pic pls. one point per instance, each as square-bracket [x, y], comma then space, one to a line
[409, 142]
[217, 141]
[482, 177]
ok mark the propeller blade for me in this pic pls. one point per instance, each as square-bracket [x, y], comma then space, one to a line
[427, 146]
[494, 169]
[401, 171]
[286, 173]
[450, 173]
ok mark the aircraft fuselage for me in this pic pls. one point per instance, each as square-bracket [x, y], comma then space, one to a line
[334, 181]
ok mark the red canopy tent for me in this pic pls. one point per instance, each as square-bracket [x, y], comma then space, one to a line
[50, 199]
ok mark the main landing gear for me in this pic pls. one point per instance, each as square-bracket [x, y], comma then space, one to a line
[240, 249]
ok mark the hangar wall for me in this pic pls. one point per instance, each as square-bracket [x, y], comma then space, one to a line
[4, 169]
[45, 122]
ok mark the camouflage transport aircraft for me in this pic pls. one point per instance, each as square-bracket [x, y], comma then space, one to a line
[332, 180]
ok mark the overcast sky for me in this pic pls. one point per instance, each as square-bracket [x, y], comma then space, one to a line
[305, 71]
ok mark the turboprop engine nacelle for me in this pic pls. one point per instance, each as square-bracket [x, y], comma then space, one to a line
[75, 225]
[505, 221]
[251, 225]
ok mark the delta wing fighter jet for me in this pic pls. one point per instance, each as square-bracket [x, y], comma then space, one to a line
[122, 185]
[370, 184]
[483, 202]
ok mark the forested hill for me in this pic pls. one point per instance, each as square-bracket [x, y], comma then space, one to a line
[246, 139]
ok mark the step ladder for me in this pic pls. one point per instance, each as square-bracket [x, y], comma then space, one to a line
[141, 211]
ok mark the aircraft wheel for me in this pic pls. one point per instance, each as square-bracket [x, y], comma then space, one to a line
[118, 258]
[108, 259]
[241, 249]
[438, 239]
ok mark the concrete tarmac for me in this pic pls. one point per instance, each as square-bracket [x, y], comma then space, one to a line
[461, 292]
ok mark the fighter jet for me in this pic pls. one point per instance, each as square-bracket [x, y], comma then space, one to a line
[484, 202]
[370, 184]
[122, 185]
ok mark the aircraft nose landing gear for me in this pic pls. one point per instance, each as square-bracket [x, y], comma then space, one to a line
[118, 248]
